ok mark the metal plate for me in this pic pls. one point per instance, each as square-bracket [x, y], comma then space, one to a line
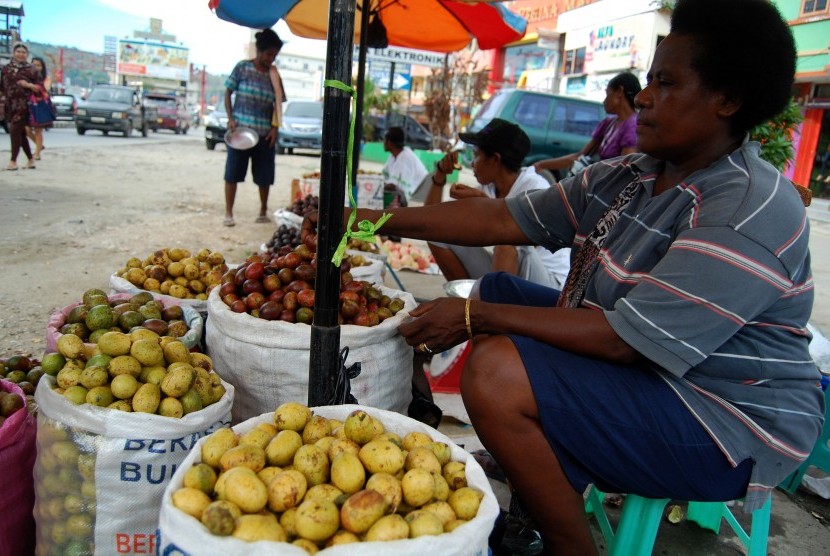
[459, 288]
[243, 138]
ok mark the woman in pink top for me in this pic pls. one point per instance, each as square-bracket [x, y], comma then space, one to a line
[615, 135]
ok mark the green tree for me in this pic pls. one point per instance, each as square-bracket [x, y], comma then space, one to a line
[775, 136]
[376, 101]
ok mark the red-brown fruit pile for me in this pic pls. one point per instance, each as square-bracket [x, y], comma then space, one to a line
[281, 287]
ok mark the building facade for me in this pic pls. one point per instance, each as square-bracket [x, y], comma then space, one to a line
[809, 21]
[575, 47]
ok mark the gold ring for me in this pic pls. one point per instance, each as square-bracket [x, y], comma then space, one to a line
[424, 348]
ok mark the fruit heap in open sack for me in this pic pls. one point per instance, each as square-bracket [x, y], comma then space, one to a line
[136, 371]
[97, 314]
[282, 288]
[175, 272]
[407, 256]
[317, 482]
[22, 370]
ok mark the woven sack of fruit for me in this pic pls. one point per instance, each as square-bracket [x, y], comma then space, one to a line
[180, 533]
[122, 285]
[17, 459]
[100, 472]
[190, 315]
[267, 361]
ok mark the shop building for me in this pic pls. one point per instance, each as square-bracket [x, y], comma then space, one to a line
[809, 21]
[575, 47]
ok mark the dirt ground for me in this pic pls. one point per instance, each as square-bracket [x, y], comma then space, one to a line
[68, 225]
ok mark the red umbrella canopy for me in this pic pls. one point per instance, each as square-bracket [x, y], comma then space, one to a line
[434, 25]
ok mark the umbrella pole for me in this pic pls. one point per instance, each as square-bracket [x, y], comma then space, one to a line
[361, 77]
[325, 331]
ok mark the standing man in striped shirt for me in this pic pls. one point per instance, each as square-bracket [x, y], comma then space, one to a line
[258, 97]
[674, 363]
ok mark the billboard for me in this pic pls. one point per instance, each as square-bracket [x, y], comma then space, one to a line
[152, 59]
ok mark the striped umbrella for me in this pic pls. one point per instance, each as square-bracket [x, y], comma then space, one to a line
[434, 25]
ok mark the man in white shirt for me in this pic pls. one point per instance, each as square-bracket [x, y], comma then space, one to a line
[403, 171]
[499, 149]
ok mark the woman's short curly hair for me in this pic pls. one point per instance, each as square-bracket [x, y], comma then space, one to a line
[745, 49]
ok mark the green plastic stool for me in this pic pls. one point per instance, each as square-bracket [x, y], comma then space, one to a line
[638, 524]
[820, 455]
[641, 518]
[710, 514]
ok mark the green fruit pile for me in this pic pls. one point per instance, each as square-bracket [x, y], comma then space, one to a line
[23, 371]
[98, 314]
[176, 272]
[318, 482]
[139, 371]
[10, 403]
[65, 506]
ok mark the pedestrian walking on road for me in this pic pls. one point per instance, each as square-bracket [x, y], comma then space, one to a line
[34, 130]
[18, 81]
[253, 98]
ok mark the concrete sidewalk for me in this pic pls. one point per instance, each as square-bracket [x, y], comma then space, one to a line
[799, 525]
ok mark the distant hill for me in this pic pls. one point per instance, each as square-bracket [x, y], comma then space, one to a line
[82, 69]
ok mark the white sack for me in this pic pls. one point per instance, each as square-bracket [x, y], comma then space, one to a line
[267, 361]
[183, 535]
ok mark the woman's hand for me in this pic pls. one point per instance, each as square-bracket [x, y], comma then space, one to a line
[461, 191]
[438, 324]
[448, 164]
[231, 123]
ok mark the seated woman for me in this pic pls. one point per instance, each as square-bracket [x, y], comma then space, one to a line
[500, 148]
[615, 135]
[675, 362]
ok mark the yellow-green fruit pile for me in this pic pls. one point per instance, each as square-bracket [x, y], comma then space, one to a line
[65, 489]
[176, 272]
[318, 482]
[139, 371]
[97, 314]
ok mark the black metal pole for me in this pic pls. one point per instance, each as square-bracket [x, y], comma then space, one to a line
[361, 77]
[325, 331]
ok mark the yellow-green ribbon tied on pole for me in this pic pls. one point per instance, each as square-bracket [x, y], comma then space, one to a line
[366, 230]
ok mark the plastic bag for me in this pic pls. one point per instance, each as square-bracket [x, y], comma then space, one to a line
[101, 473]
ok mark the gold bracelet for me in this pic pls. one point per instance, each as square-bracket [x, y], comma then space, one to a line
[467, 318]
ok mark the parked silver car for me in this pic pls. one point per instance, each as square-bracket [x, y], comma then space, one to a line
[302, 126]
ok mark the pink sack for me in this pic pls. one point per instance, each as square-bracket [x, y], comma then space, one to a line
[17, 460]
[58, 318]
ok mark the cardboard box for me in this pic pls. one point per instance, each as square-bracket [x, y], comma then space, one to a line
[369, 190]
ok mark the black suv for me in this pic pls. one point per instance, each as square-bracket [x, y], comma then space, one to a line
[114, 108]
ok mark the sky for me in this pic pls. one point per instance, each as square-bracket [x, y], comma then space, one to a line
[83, 24]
